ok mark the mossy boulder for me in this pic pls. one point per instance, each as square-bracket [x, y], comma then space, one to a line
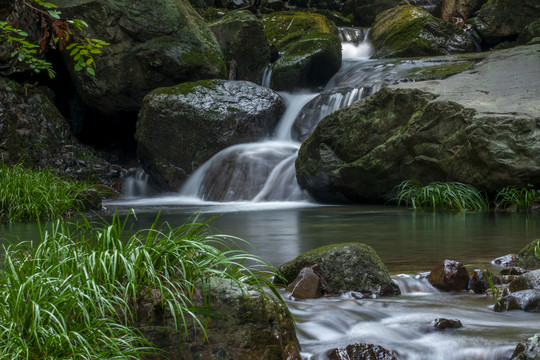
[364, 12]
[528, 349]
[526, 258]
[504, 20]
[246, 325]
[479, 127]
[407, 31]
[345, 267]
[181, 127]
[241, 38]
[310, 48]
[152, 44]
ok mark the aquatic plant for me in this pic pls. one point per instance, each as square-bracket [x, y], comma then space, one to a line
[440, 196]
[75, 293]
[27, 194]
[520, 198]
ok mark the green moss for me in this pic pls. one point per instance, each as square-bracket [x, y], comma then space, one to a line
[212, 14]
[188, 87]
[526, 258]
[441, 71]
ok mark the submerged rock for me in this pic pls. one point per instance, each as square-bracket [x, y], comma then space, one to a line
[407, 31]
[528, 349]
[309, 46]
[345, 267]
[152, 44]
[361, 352]
[469, 128]
[181, 127]
[241, 38]
[245, 326]
[527, 300]
[526, 257]
[449, 275]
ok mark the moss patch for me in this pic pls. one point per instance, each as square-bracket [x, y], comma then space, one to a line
[188, 87]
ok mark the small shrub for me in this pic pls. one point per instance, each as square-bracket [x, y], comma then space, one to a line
[440, 196]
[520, 198]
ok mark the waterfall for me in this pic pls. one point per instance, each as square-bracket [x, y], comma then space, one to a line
[135, 184]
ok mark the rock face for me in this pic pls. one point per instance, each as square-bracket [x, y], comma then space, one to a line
[528, 349]
[501, 20]
[407, 31]
[480, 127]
[527, 300]
[181, 127]
[361, 352]
[526, 258]
[33, 132]
[249, 326]
[241, 38]
[530, 280]
[311, 50]
[345, 267]
[152, 44]
[449, 275]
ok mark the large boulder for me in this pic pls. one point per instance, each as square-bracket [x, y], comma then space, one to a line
[407, 31]
[310, 48]
[480, 127]
[528, 349]
[526, 300]
[500, 20]
[33, 132]
[449, 275]
[152, 44]
[241, 38]
[345, 267]
[246, 325]
[181, 127]
[526, 258]
[364, 12]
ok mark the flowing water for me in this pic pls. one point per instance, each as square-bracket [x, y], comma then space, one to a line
[253, 191]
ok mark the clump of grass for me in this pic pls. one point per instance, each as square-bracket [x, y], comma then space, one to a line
[440, 196]
[520, 198]
[75, 294]
[31, 194]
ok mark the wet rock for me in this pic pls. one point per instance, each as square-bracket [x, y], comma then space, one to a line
[530, 280]
[478, 282]
[468, 128]
[506, 260]
[364, 12]
[449, 275]
[181, 127]
[362, 352]
[345, 267]
[526, 257]
[431, 6]
[528, 349]
[241, 38]
[442, 324]
[407, 31]
[503, 20]
[307, 285]
[247, 325]
[514, 270]
[309, 47]
[152, 44]
[527, 300]
[463, 9]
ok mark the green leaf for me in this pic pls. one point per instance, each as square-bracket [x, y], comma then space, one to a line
[91, 71]
[90, 61]
[73, 52]
[78, 67]
[55, 14]
[70, 46]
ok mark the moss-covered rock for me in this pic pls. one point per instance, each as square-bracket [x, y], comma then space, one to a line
[345, 267]
[529, 280]
[407, 31]
[526, 258]
[152, 44]
[241, 38]
[503, 20]
[531, 32]
[528, 349]
[470, 128]
[311, 50]
[181, 127]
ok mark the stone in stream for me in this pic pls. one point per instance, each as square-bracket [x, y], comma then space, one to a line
[528, 349]
[526, 257]
[449, 275]
[527, 300]
[344, 267]
[307, 285]
[478, 282]
[442, 324]
[506, 260]
[361, 352]
[530, 280]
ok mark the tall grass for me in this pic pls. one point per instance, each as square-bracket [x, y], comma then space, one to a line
[30, 194]
[440, 196]
[75, 294]
[520, 198]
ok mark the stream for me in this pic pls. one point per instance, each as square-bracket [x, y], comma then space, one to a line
[250, 191]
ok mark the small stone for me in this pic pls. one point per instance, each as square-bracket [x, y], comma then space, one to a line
[442, 324]
[449, 275]
[361, 352]
[506, 260]
[307, 285]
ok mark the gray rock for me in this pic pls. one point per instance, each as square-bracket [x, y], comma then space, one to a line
[530, 280]
[442, 324]
[181, 127]
[152, 44]
[345, 267]
[361, 352]
[506, 260]
[527, 300]
[528, 349]
[470, 128]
